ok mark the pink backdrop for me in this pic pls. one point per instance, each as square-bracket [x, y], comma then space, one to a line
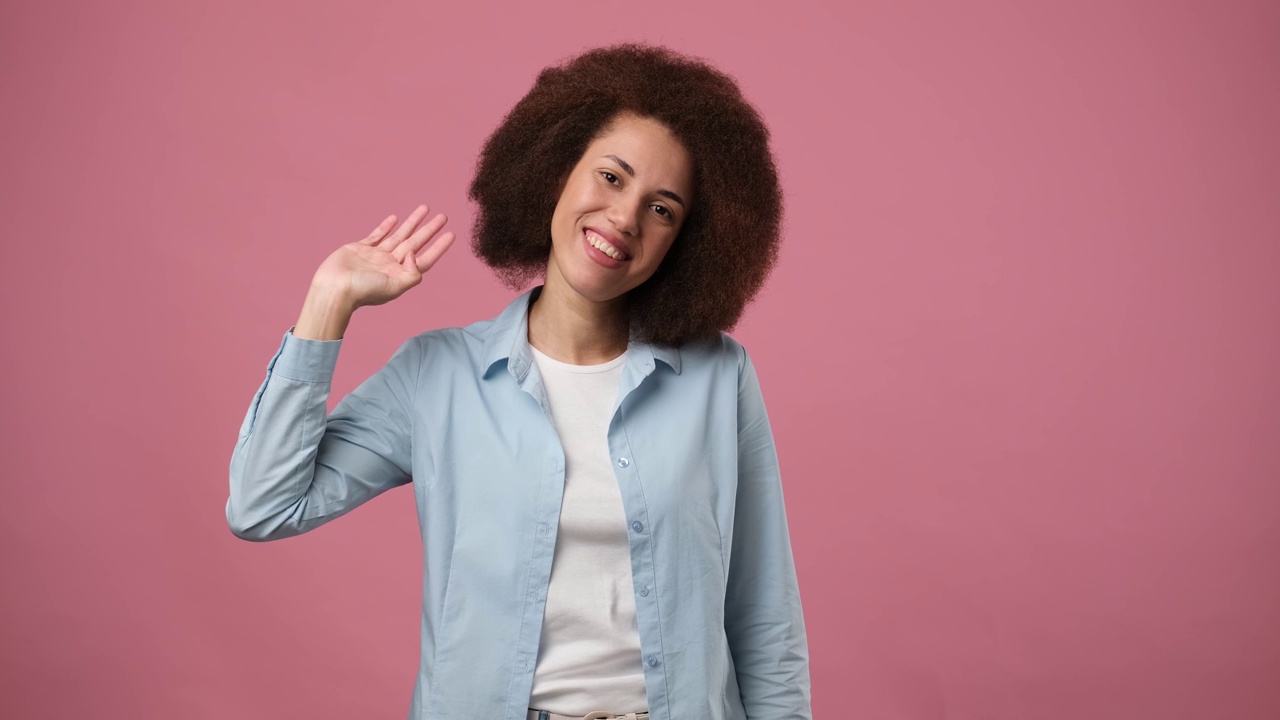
[1021, 352]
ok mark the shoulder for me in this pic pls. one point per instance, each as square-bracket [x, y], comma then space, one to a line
[721, 351]
[444, 348]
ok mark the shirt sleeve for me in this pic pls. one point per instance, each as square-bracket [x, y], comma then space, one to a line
[764, 622]
[294, 469]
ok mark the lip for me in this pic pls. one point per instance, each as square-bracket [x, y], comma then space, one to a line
[599, 257]
[613, 240]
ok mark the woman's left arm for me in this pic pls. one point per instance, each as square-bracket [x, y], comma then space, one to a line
[764, 622]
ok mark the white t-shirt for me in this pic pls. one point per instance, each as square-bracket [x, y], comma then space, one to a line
[589, 656]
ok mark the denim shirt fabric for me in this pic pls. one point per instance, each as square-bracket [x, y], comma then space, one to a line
[461, 413]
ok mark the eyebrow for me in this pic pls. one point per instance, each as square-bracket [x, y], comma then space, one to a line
[631, 171]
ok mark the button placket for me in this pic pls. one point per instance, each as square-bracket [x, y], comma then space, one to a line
[623, 461]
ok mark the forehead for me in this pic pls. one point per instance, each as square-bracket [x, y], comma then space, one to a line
[648, 146]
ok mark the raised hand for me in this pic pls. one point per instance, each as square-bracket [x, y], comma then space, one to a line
[384, 265]
[371, 271]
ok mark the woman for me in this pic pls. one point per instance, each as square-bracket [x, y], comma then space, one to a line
[602, 516]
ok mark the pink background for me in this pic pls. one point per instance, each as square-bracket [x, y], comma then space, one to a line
[1020, 354]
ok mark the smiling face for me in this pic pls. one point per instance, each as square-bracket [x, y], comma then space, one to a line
[620, 210]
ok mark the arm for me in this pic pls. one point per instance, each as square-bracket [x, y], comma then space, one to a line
[293, 469]
[764, 622]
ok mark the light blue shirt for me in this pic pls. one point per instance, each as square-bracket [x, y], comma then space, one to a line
[461, 413]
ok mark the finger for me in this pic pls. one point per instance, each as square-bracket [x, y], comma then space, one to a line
[434, 251]
[405, 229]
[378, 232]
[414, 243]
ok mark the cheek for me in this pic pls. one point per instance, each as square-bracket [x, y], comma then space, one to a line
[576, 199]
[566, 211]
[663, 247]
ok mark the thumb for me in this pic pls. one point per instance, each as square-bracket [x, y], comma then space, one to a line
[410, 263]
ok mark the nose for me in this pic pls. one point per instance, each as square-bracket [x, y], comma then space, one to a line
[625, 216]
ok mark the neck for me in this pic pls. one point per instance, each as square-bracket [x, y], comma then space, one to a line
[573, 329]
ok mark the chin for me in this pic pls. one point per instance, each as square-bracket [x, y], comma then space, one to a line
[593, 287]
[596, 292]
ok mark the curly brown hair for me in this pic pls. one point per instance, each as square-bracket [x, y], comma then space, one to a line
[729, 240]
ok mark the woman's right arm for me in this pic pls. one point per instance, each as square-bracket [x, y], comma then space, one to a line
[294, 466]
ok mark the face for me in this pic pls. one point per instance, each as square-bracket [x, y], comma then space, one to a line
[621, 208]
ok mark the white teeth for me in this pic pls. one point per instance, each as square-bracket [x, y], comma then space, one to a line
[598, 243]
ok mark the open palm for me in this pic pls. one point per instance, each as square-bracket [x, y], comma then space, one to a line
[384, 265]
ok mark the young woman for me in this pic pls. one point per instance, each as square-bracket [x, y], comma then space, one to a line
[596, 481]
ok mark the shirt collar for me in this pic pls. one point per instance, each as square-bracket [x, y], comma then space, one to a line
[508, 339]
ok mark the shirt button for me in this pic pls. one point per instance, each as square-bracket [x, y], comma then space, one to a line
[637, 526]
[623, 462]
[652, 660]
[644, 591]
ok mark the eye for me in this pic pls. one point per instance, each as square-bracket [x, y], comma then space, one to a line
[609, 177]
[663, 211]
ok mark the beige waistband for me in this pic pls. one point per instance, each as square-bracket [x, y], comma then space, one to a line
[593, 715]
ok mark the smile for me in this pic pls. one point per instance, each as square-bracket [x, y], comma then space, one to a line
[604, 247]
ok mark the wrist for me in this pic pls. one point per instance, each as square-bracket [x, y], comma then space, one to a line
[330, 299]
[325, 314]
